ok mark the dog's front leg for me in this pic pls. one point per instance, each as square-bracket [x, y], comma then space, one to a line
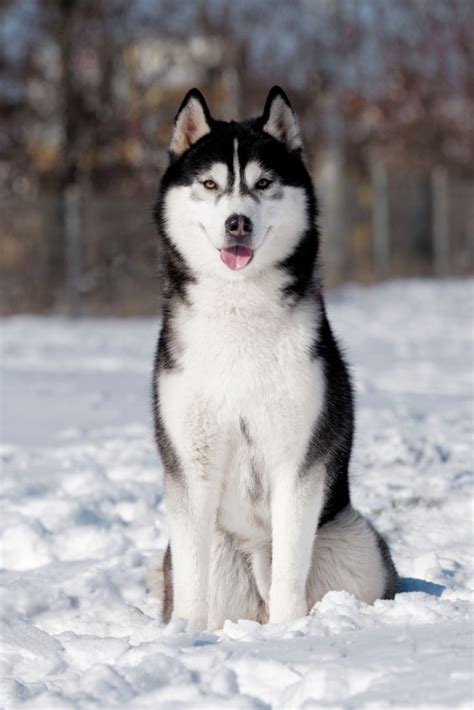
[296, 507]
[192, 506]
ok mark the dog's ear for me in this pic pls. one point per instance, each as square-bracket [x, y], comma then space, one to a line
[279, 120]
[192, 122]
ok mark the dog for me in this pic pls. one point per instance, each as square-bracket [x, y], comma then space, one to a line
[253, 403]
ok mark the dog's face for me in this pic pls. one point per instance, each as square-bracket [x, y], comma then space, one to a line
[236, 198]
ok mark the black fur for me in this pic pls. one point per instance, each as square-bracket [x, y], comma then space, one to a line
[167, 451]
[168, 586]
[300, 266]
[332, 436]
[245, 431]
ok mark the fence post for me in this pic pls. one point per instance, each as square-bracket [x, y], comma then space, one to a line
[380, 219]
[72, 234]
[332, 189]
[332, 181]
[440, 220]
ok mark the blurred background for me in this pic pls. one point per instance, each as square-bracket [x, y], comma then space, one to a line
[384, 91]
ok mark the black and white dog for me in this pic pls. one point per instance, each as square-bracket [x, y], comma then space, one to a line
[253, 402]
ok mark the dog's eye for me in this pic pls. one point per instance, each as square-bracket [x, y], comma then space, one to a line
[210, 185]
[263, 184]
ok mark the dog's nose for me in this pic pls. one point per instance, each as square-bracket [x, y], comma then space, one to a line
[238, 225]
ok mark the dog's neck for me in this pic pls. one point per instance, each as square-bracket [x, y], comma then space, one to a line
[260, 296]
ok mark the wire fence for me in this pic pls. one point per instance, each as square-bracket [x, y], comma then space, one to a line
[98, 254]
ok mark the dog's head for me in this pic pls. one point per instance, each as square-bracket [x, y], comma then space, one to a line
[236, 198]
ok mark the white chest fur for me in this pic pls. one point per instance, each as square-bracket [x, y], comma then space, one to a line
[247, 392]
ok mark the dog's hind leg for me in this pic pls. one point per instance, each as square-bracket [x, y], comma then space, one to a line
[160, 583]
[232, 589]
[350, 555]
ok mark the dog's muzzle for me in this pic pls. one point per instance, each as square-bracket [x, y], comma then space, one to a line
[237, 254]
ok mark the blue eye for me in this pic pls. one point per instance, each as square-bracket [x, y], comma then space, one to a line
[263, 184]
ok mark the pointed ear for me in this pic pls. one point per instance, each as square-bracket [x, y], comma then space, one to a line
[279, 120]
[192, 122]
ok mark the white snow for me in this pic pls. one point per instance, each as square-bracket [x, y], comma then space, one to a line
[83, 516]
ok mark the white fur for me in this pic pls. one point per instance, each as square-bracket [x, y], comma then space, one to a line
[191, 125]
[196, 216]
[253, 173]
[296, 509]
[218, 173]
[244, 398]
[236, 166]
[243, 358]
[232, 590]
[352, 543]
[282, 124]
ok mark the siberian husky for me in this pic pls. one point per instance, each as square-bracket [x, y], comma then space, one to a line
[252, 399]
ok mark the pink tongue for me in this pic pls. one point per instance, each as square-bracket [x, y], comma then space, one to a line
[236, 257]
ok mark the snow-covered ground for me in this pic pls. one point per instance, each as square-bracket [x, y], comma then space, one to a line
[83, 515]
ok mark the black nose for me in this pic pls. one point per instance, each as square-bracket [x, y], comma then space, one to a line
[238, 225]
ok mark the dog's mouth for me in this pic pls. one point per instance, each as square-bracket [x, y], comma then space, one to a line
[237, 257]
